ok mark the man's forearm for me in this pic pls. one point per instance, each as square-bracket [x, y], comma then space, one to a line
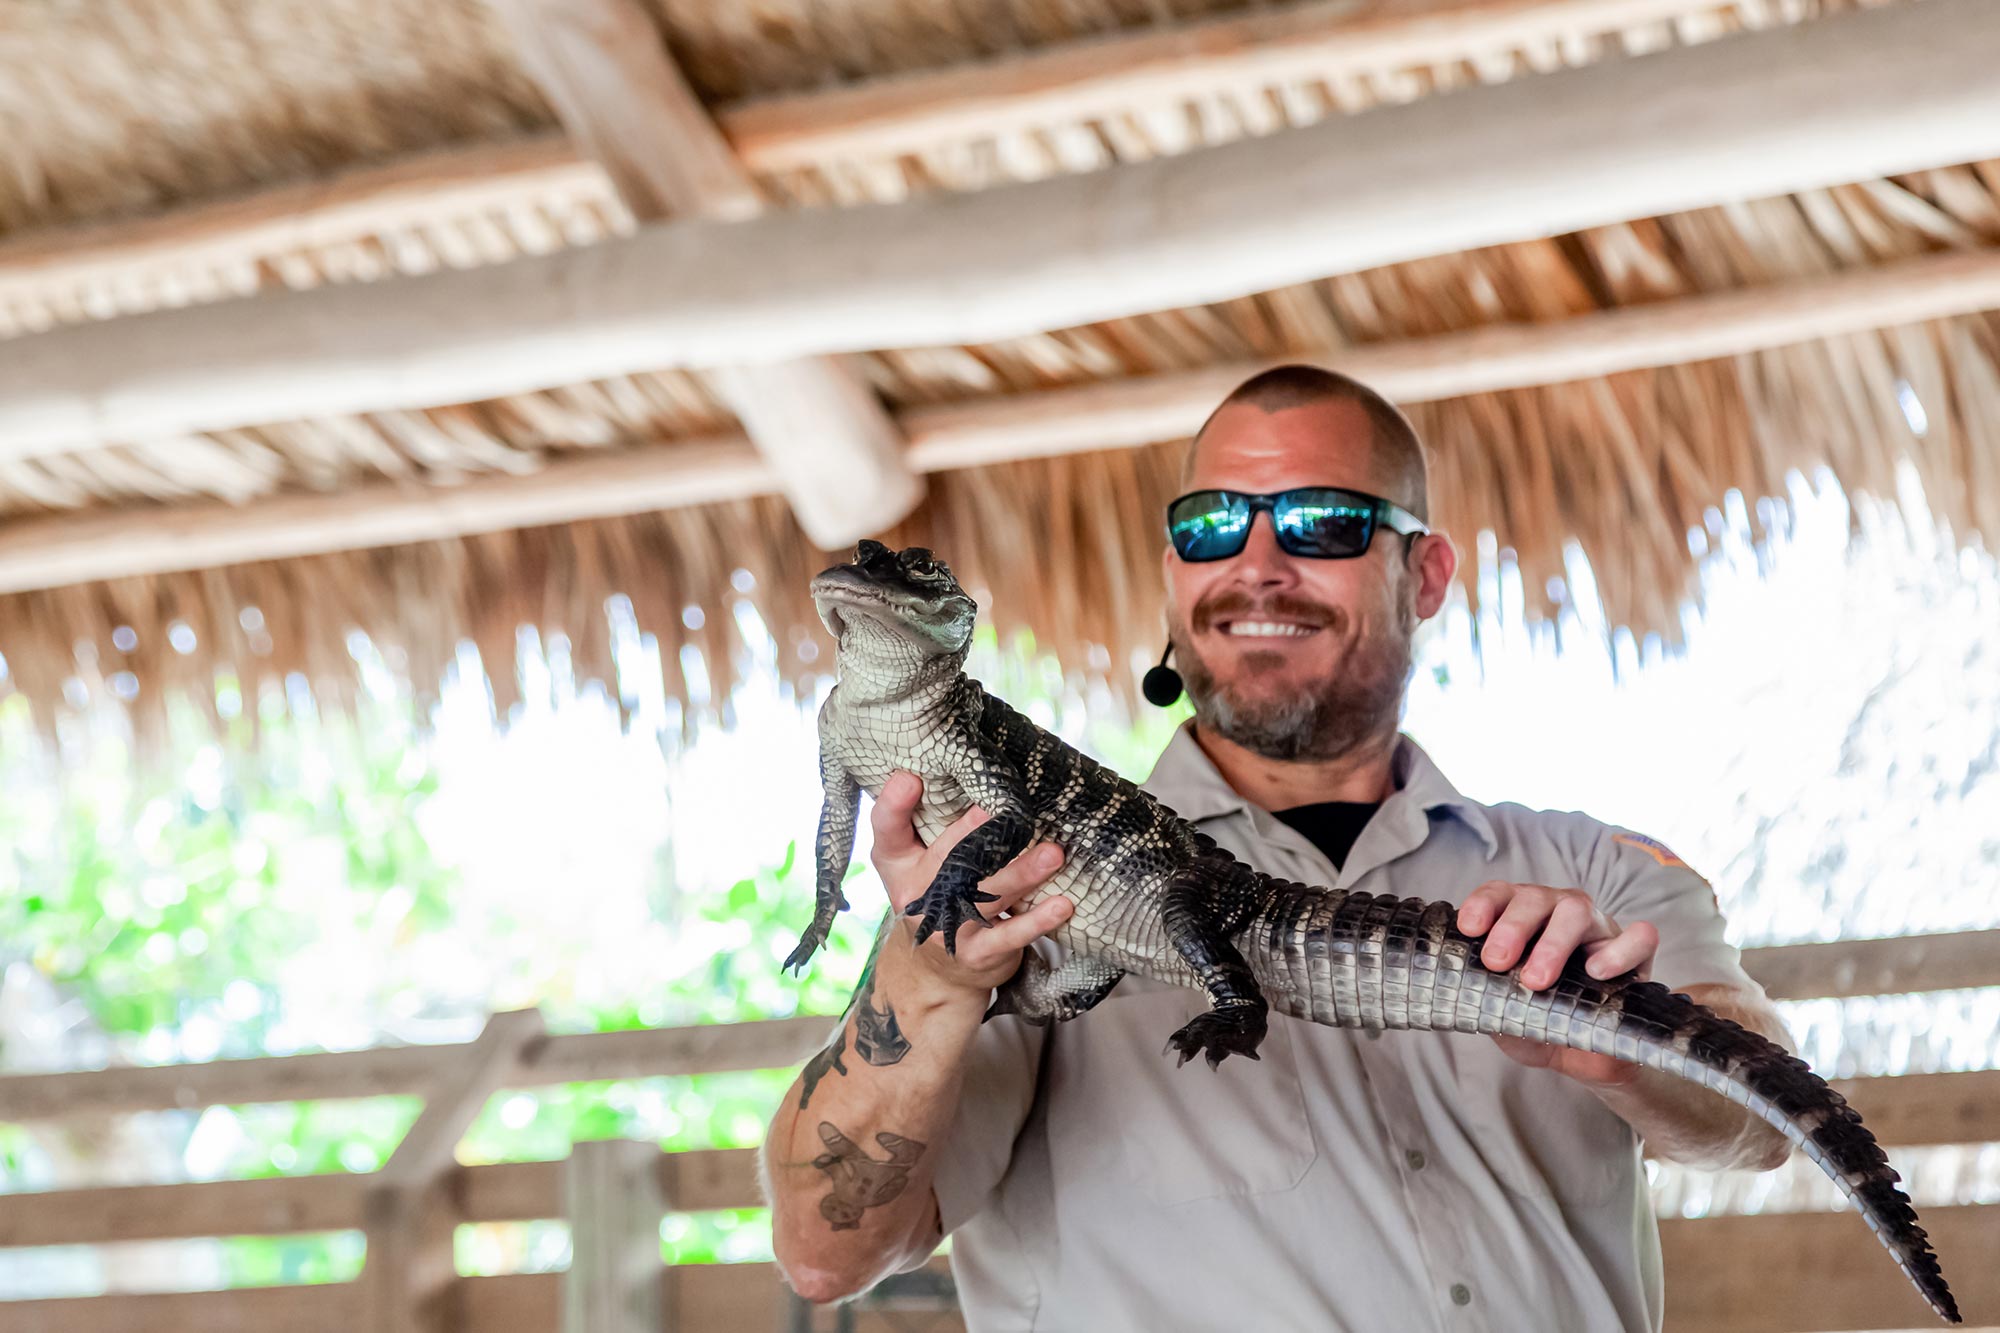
[851, 1152]
[1696, 1126]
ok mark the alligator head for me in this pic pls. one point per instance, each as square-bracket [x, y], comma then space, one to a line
[894, 613]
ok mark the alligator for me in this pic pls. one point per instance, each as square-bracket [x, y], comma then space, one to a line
[1155, 896]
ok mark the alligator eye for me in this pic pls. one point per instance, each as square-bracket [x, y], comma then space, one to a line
[923, 569]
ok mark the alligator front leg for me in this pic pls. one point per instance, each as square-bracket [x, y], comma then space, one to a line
[1038, 993]
[990, 782]
[832, 850]
[1197, 918]
[954, 896]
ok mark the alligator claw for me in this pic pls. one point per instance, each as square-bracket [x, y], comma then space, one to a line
[797, 959]
[808, 945]
[944, 910]
[1219, 1033]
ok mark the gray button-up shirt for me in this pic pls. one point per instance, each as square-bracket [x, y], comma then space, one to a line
[1411, 1181]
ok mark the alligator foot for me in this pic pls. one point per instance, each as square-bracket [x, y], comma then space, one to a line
[1236, 1030]
[808, 946]
[945, 907]
[816, 933]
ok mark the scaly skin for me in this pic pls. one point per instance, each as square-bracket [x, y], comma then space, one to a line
[1155, 896]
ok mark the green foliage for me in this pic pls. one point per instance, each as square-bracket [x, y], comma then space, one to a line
[281, 892]
[168, 903]
[266, 1261]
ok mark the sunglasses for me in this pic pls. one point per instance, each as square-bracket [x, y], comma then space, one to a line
[1317, 522]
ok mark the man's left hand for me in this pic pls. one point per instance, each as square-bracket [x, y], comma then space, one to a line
[1556, 922]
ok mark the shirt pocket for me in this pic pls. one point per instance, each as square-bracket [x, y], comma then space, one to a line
[1177, 1134]
[1543, 1138]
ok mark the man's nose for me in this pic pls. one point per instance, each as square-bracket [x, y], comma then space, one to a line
[1263, 563]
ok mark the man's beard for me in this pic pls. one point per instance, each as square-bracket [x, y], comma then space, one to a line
[1363, 700]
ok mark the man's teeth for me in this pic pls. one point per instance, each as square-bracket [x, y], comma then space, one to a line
[1267, 629]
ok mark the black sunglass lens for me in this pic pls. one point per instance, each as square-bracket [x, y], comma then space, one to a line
[1328, 525]
[1207, 526]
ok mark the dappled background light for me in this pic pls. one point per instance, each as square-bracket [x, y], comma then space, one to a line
[1823, 750]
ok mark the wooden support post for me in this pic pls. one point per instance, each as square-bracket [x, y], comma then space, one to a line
[409, 1281]
[601, 63]
[613, 1200]
[410, 1277]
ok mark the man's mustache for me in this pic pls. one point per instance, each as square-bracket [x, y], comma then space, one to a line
[1233, 605]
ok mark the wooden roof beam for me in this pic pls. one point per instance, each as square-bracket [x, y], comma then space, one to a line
[1853, 97]
[1100, 77]
[1091, 78]
[75, 548]
[601, 64]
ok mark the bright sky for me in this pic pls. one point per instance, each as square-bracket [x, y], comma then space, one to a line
[1826, 749]
[1831, 717]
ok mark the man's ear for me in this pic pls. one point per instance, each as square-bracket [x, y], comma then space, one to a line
[1435, 560]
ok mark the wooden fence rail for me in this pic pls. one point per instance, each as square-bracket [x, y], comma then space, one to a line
[1719, 1267]
[1800, 971]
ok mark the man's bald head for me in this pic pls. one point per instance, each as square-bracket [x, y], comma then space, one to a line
[1292, 386]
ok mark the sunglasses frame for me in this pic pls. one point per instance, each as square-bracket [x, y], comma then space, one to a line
[1381, 514]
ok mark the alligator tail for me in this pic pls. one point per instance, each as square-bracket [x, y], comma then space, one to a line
[1368, 961]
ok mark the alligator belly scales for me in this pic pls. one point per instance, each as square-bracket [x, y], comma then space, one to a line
[1155, 896]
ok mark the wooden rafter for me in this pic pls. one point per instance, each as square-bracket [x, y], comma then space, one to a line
[601, 64]
[1854, 97]
[1102, 77]
[64, 549]
[904, 113]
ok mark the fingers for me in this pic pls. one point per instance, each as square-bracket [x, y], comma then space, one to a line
[1513, 913]
[1540, 928]
[1020, 877]
[1482, 907]
[893, 820]
[1570, 921]
[1632, 949]
[978, 948]
[899, 855]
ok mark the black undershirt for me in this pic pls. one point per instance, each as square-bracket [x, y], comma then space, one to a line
[1331, 826]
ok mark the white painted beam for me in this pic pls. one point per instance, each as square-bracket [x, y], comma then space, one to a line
[1852, 97]
[602, 65]
[61, 549]
[1089, 78]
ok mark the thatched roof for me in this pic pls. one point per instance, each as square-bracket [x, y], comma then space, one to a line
[173, 153]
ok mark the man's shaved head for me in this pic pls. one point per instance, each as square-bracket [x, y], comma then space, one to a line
[1290, 657]
[1290, 386]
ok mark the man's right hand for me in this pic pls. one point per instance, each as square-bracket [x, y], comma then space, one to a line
[987, 955]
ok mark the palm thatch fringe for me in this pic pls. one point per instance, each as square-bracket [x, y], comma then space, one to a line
[1067, 548]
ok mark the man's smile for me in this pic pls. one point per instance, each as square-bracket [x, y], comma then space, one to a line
[1265, 629]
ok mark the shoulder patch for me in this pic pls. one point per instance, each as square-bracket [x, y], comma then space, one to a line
[1660, 852]
[1652, 847]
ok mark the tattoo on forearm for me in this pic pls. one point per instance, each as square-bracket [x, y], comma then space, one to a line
[817, 1067]
[878, 1037]
[861, 1182]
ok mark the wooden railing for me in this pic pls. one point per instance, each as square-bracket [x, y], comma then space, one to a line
[1721, 1272]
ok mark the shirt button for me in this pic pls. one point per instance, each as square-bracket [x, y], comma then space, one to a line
[1461, 1294]
[1416, 1160]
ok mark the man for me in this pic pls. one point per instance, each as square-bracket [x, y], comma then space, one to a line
[1419, 1181]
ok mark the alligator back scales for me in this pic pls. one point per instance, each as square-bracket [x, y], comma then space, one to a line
[1155, 896]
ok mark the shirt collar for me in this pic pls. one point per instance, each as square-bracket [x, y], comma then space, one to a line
[1186, 779]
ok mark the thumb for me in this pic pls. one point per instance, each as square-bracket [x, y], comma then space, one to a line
[892, 821]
